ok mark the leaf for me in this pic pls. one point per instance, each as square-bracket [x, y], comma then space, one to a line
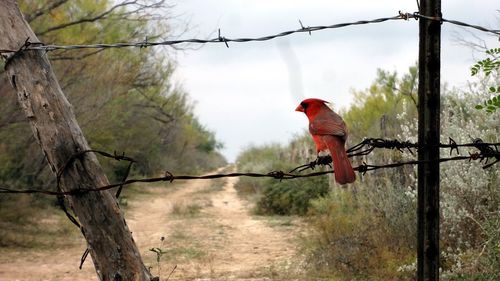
[475, 69]
[479, 107]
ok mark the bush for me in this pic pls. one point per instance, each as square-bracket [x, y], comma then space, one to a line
[286, 197]
[353, 240]
[369, 233]
[291, 197]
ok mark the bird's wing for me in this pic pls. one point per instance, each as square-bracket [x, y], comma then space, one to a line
[328, 124]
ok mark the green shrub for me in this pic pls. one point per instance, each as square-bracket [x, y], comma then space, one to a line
[291, 197]
[353, 241]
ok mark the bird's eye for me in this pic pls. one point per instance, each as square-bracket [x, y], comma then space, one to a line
[304, 105]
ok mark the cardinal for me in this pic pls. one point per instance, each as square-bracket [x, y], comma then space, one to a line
[329, 132]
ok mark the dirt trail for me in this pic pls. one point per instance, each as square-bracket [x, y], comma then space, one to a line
[209, 234]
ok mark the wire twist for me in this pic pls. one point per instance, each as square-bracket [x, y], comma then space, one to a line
[487, 151]
[221, 39]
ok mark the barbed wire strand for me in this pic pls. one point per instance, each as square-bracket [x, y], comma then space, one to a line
[60, 197]
[280, 175]
[221, 39]
[487, 151]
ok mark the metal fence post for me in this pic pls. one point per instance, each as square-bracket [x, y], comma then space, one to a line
[428, 139]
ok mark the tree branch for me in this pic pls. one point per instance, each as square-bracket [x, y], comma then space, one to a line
[108, 13]
[44, 10]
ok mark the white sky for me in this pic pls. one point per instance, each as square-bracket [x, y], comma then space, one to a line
[247, 94]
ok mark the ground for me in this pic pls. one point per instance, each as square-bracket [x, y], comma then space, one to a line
[209, 233]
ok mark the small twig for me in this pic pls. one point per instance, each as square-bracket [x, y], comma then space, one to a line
[171, 272]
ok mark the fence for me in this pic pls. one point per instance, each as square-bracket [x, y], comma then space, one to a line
[428, 161]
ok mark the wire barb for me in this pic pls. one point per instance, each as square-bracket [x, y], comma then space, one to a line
[453, 146]
[487, 149]
[368, 145]
[145, 44]
[406, 16]
[222, 39]
[305, 29]
[14, 54]
[486, 152]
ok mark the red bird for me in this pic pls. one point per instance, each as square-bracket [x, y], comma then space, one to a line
[329, 131]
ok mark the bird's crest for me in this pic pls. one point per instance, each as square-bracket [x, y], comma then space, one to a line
[314, 100]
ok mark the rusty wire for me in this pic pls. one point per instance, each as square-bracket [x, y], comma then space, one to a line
[487, 151]
[226, 40]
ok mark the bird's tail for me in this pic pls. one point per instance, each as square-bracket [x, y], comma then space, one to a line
[341, 164]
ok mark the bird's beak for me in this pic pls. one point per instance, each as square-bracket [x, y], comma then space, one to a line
[300, 108]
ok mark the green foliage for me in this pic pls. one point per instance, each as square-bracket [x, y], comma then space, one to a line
[123, 99]
[488, 66]
[287, 197]
[291, 197]
[262, 159]
[354, 241]
[375, 109]
[369, 232]
[492, 104]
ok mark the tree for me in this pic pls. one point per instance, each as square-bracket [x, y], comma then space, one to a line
[54, 126]
[124, 99]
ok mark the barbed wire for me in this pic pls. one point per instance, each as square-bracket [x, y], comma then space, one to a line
[221, 39]
[463, 24]
[367, 146]
[487, 151]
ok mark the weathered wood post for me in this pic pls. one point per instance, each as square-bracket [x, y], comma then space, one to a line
[428, 138]
[54, 126]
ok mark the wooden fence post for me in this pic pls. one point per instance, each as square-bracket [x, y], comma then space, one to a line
[428, 139]
[54, 126]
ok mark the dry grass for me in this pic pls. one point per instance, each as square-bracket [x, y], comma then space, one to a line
[185, 209]
[31, 224]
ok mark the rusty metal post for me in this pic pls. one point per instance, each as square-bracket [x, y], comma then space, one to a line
[428, 139]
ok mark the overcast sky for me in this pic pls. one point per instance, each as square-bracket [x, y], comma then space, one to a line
[247, 94]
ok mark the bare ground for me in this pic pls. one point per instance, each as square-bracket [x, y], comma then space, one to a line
[209, 234]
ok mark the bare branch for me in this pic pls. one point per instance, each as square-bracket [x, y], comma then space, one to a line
[44, 10]
[80, 57]
[153, 104]
[110, 13]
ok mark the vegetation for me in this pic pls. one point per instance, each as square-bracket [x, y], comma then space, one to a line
[277, 197]
[124, 99]
[487, 66]
[368, 231]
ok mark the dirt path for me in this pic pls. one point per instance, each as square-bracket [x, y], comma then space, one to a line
[209, 234]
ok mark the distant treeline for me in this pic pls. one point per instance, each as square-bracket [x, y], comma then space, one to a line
[124, 99]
